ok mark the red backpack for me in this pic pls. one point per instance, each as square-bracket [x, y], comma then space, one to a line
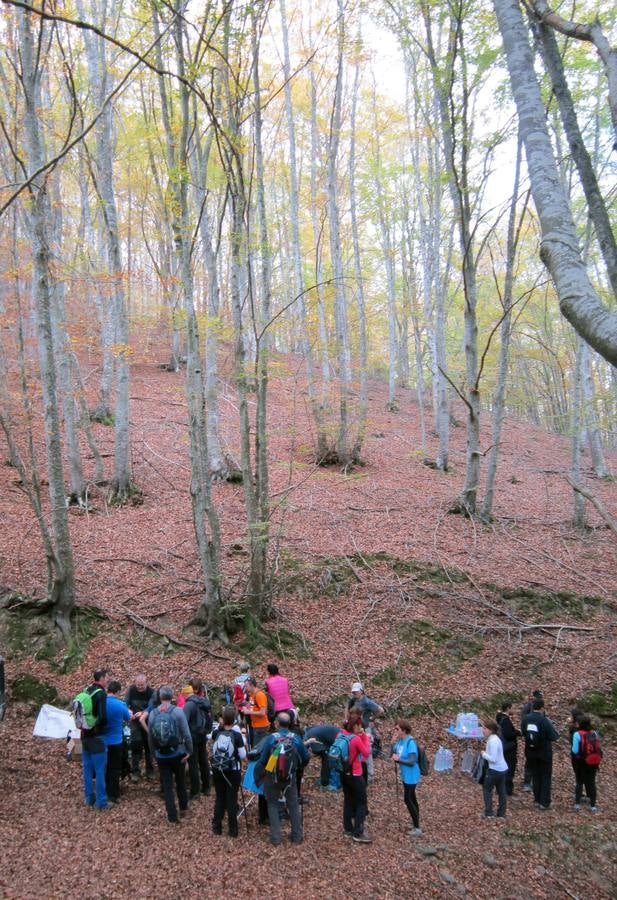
[590, 750]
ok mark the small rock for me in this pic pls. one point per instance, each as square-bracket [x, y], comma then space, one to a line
[427, 850]
[540, 870]
[488, 859]
[446, 876]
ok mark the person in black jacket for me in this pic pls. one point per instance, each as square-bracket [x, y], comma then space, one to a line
[539, 733]
[198, 714]
[137, 699]
[527, 708]
[509, 734]
[93, 749]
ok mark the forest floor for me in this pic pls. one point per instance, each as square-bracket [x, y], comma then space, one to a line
[376, 581]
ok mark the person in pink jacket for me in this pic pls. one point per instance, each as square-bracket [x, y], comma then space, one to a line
[355, 802]
[278, 688]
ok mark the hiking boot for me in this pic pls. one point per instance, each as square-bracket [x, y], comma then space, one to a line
[135, 777]
[362, 838]
[527, 788]
[577, 807]
[182, 813]
[593, 809]
[543, 808]
[194, 797]
[348, 833]
[415, 832]
[173, 822]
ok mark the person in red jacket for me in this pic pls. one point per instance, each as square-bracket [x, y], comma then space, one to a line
[355, 804]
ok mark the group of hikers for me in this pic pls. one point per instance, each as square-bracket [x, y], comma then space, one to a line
[259, 731]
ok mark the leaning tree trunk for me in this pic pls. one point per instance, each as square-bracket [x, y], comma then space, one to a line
[559, 248]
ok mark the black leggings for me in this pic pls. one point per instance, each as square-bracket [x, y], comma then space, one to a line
[585, 778]
[411, 802]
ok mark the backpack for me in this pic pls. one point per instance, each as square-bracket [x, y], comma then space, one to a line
[271, 710]
[164, 731]
[202, 722]
[338, 754]
[534, 739]
[82, 710]
[590, 750]
[224, 751]
[284, 758]
[239, 698]
[423, 762]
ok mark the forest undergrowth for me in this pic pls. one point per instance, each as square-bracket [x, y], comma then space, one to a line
[374, 580]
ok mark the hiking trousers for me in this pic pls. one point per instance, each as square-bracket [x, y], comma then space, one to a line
[289, 793]
[355, 805]
[541, 777]
[115, 754]
[411, 802]
[585, 778]
[94, 768]
[199, 767]
[510, 758]
[226, 785]
[497, 780]
[139, 745]
[169, 770]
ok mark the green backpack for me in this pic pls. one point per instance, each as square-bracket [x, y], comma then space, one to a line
[82, 710]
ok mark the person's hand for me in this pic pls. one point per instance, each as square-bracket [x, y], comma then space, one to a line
[185, 758]
[395, 757]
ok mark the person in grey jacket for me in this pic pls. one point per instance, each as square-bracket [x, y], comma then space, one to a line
[172, 757]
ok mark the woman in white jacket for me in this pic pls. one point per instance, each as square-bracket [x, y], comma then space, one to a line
[497, 769]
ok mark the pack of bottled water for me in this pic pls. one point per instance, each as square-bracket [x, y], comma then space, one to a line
[467, 725]
[444, 761]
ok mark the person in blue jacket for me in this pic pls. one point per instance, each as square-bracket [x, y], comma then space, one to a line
[405, 755]
[117, 714]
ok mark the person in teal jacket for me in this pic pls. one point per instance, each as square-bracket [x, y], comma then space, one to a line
[405, 755]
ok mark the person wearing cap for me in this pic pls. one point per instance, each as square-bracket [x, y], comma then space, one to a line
[367, 708]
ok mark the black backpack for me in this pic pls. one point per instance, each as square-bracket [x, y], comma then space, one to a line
[271, 710]
[534, 739]
[164, 731]
[201, 721]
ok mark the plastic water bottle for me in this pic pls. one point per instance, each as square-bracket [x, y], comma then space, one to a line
[439, 760]
[448, 760]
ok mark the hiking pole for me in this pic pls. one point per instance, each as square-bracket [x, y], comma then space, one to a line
[246, 818]
[398, 807]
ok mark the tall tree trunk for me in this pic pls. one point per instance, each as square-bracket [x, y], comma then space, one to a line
[560, 248]
[40, 223]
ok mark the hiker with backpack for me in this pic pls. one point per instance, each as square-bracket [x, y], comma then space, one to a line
[198, 712]
[587, 752]
[406, 754]
[319, 739]
[368, 709]
[526, 709]
[137, 699]
[171, 745]
[347, 754]
[256, 711]
[228, 751]
[495, 776]
[277, 686]
[117, 714]
[539, 734]
[90, 714]
[283, 754]
[509, 734]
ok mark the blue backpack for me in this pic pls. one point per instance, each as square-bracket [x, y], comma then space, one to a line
[338, 754]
